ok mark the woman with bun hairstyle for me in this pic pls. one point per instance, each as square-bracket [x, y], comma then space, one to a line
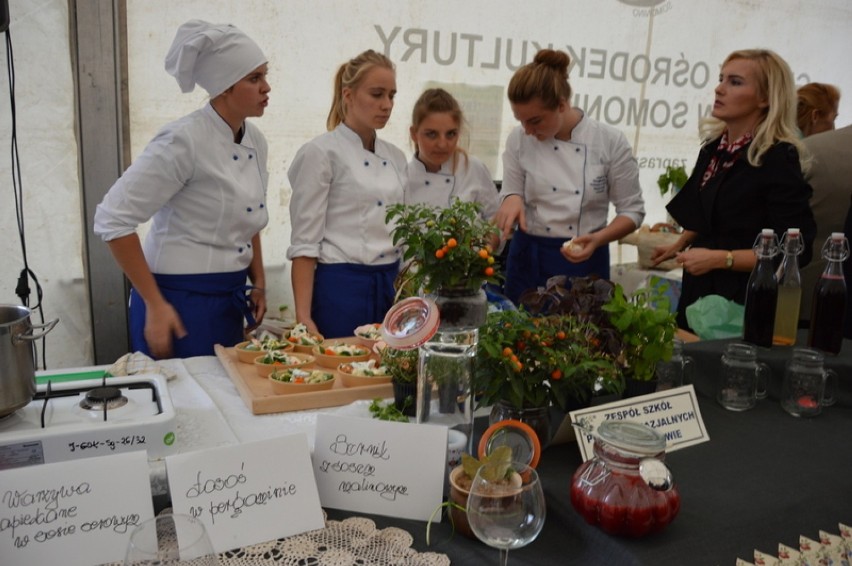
[202, 180]
[344, 260]
[748, 176]
[440, 170]
[561, 171]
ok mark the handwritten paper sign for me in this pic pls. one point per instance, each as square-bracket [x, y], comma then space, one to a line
[248, 493]
[380, 467]
[79, 512]
[673, 412]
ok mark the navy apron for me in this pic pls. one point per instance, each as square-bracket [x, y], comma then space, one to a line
[532, 260]
[348, 295]
[212, 306]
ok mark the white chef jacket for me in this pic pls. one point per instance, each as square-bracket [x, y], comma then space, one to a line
[206, 194]
[341, 192]
[471, 183]
[567, 185]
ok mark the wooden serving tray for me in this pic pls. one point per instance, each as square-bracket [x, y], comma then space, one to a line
[257, 392]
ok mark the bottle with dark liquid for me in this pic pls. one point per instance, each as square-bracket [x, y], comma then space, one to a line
[789, 290]
[762, 292]
[829, 304]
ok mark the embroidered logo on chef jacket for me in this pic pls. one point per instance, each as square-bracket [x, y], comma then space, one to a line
[599, 183]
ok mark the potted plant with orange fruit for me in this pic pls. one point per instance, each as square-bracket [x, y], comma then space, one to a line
[446, 250]
[528, 363]
[448, 259]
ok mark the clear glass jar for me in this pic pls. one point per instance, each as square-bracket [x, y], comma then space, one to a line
[676, 371]
[626, 489]
[447, 359]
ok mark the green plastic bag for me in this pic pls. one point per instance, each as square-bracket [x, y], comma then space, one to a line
[714, 317]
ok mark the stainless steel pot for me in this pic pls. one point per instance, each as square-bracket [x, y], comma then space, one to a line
[17, 357]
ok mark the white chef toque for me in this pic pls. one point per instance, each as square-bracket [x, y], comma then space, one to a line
[213, 56]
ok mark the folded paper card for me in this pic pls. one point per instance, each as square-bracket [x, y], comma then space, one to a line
[50, 514]
[386, 468]
[248, 493]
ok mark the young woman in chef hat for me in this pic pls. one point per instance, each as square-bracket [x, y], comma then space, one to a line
[441, 170]
[344, 260]
[561, 171]
[203, 180]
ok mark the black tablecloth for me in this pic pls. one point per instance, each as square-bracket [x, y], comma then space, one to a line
[764, 477]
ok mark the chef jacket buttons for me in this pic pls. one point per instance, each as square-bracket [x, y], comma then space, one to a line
[235, 157]
[384, 163]
[555, 148]
[547, 228]
[262, 205]
[379, 203]
[577, 192]
[251, 156]
[366, 164]
[577, 150]
[554, 189]
[427, 183]
[570, 227]
[248, 209]
[381, 255]
[446, 180]
[240, 249]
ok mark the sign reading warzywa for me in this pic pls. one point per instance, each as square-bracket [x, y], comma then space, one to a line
[74, 513]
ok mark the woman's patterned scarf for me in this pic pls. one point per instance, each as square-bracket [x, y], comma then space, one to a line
[725, 155]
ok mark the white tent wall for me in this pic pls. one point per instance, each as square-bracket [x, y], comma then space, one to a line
[44, 96]
[647, 67]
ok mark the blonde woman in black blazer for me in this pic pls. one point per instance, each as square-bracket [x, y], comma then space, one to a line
[748, 176]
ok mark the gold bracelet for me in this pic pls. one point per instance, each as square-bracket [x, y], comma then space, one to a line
[729, 260]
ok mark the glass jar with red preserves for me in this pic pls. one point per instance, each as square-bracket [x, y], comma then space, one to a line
[626, 488]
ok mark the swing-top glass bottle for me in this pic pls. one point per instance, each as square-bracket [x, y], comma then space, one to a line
[789, 290]
[829, 303]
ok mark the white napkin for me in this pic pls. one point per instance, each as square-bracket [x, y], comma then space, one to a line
[136, 363]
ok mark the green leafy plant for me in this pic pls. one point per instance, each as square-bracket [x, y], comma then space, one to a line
[444, 247]
[499, 463]
[401, 364]
[387, 411]
[673, 179]
[535, 361]
[647, 329]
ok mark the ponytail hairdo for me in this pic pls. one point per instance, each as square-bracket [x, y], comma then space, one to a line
[350, 74]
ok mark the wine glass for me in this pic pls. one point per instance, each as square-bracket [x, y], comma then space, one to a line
[506, 506]
[170, 540]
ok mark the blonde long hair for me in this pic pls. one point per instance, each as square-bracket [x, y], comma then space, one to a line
[434, 101]
[775, 83]
[350, 74]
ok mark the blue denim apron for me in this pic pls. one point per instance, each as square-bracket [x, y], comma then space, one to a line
[532, 260]
[212, 306]
[348, 295]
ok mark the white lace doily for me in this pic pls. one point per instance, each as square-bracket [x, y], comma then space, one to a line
[341, 543]
[353, 541]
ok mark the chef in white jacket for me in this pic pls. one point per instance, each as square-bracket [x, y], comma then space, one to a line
[203, 180]
[344, 259]
[440, 170]
[561, 171]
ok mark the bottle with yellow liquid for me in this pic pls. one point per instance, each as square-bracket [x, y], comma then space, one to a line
[789, 290]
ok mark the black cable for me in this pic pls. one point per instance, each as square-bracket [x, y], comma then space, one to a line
[22, 290]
